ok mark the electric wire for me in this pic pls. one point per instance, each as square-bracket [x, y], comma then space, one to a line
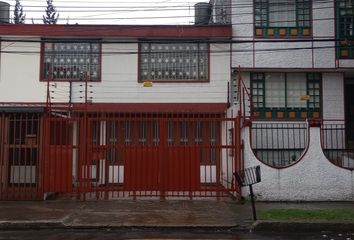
[156, 8]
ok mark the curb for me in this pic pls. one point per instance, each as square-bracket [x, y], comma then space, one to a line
[301, 226]
[38, 225]
[28, 225]
[258, 226]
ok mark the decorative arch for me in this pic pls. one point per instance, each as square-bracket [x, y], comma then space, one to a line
[279, 144]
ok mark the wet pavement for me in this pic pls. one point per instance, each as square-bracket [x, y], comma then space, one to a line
[124, 214]
[153, 215]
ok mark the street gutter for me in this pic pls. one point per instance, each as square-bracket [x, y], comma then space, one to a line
[301, 226]
[257, 226]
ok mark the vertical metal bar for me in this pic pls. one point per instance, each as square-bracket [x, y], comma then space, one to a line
[120, 152]
[44, 152]
[85, 153]
[235, 160]
[6, 159]
[133, 153]
[37, 130]
[142, 151]
[181, 151]
[253, 204]
[62, 155]
[13, 152]
[27, 158]
[164, 160]
[2, 165]
[109, 155]
[192, 152]
[20, 149]
[189, 135]
[218, 158]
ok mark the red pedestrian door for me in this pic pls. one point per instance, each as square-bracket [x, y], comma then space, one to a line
[58, 153]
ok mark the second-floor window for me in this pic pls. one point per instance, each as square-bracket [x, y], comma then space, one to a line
[282, 18]
[345, 28]
[174, 62]
[71, 61]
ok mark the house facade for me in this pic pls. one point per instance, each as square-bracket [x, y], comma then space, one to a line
[115, 111]
[172, 111]
[293, 80]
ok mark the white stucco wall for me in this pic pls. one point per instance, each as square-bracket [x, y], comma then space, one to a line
[345, 63]
[314, 178]
[283, 55]
[19, 75]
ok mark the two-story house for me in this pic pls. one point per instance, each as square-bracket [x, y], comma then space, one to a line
[114, 111]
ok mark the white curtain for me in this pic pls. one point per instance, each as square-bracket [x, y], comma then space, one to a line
[275, 90]
[296, 87]
[282, 13]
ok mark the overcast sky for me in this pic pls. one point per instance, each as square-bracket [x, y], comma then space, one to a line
[112, 12]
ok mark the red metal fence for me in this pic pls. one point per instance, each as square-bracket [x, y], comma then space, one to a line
[20, 155]
[118, 155]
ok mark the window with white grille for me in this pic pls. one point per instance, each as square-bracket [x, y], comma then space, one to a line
[71, 61]
[174, 62]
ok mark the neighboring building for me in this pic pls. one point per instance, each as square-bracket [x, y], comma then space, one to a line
[293, 71]
[114, 111]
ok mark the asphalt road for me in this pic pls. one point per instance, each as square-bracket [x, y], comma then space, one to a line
[108, 234]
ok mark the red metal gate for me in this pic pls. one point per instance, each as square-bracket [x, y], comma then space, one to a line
[20, 153]
[120, 155]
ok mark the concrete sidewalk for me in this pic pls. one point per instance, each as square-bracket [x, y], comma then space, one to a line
[220, 215]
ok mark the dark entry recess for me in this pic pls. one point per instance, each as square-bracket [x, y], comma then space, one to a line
[349, 113]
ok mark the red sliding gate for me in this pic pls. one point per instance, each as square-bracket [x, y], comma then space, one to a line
[116, 155]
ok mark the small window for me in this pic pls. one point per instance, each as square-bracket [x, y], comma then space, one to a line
[345, 28]
[174, 62]
[286, 95]
[71, 61]
[285, 18]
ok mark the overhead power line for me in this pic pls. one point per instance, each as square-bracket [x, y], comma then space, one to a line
[113, 9]
[212, 51]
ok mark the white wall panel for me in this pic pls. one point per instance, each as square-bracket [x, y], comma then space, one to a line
[242, 18]
[333, 97]
[20, 69]
[323, 19]
[242, 55]
[283, 55]
[324, 55]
